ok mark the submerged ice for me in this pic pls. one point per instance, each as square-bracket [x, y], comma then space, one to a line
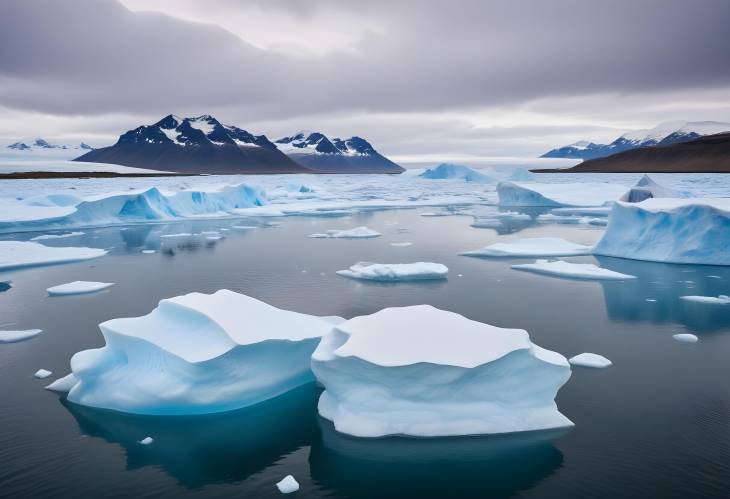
[561, 268]
[422, 371]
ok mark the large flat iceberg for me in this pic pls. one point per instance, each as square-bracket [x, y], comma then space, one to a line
[422, 371]
[391, 272]
[21, 254]
[670, 230]
[78, 288]
[570, 270]
[532, 247]
[356, 233]
[575, 194]
[196, 354]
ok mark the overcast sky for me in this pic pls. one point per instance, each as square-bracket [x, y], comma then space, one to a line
[421, 78]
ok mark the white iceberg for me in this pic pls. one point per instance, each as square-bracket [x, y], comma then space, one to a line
[356, 233]
[56, 236]
[448, 171]
[686, 338]
[646, 188]
[575, 195]
[42, 373]
[78, 288]
[15, 336]
[709, 300]
[392, 272]
[63, 385]
[21, 254]
[532, 247]
[590, 360]
[197, 354]
[147, 441]
[422, 371]
[560, 268]
[670, 230]
[287, 485]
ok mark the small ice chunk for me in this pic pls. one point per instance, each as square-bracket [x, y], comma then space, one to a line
[356, 233]
[287, 485]
[709, 300]
[651, 300]
[63, 385]
[391, 272]
[590, 360]
[42, 373]
[147, 441]
[532, 247]
[148, 251]
[78, 288]
[401, 245]
[56, 236]
[14, 336]
[179, 234]
[244, 227]
[560, 268]
[214, 238]
[686, 338]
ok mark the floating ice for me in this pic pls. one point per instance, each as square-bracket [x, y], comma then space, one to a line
[21, 254]
[646, 188]
[401, 245]
[148, 251]
[78, 288]
[686, 338]
[147, 441]
[15, 336]
[287, 485]
[577, 194]
[521, 175]
[178, 234]
[244, 227]
[560, 268]
[356, 233]
[197, 354]
[458, 172]
[590, 360]
[709, 300]
[56, 236]
[532, 247]
[391, 272]
[426, 372]
[63, 385]
[670, 230]
[42, 373]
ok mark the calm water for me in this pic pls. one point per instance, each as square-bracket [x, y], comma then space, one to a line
[656, 424]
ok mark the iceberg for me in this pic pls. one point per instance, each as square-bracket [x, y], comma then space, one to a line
[356, 233]
[287, 485]
[393, 272]
[591, 360]
[196, 354]
[42, 373]
[147, 441]
[448, 171]
[521, 175]
[78, 288]
[15, 336]
[532, 247]
[709, 300]
[421, 371]
[671, 230]
[646, 188]
[569, 195]
[560, 268]
[686, 338]
[22, 254]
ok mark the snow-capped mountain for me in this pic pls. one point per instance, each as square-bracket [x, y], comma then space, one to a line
[664, 134]
[195, 145]
[354, 155]
[44, 145]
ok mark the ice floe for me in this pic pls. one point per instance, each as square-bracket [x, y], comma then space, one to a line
[15, 336]
[287, 485]
[590, 360]
[575, 194]
[63, 385]
[426, 372]
[356, 233]
[448, 171]
[20, 254]
[709, 300]
[560, 268]
[532, 247]
[147, 441]
[78, 288]
[402, 245]
[391, 272]
[686, 338]
[56, 236]
[670, 230]
[197, 354]
[42, 373]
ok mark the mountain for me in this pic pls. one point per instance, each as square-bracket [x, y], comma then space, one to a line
[317, 152]
[708, 154]
[195, 145]
[668, 133]
[41, 144]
